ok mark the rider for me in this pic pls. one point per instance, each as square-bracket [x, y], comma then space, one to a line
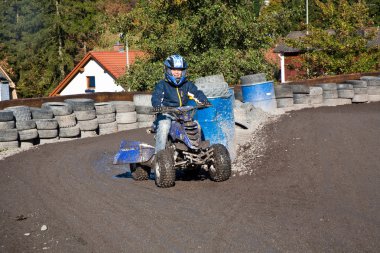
[175, 90]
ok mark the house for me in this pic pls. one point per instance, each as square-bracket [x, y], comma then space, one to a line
[7, 86]
[97, 72]
[290, 59]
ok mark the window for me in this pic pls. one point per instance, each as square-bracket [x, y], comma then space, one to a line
[91, 82]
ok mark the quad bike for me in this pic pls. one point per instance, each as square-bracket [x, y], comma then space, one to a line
[185, 150]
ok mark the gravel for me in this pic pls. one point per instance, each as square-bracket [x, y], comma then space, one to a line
[250, 142]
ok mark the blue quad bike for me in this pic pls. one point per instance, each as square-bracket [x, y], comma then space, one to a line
[185, 150]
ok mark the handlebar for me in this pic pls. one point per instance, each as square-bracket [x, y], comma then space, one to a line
[168, 109]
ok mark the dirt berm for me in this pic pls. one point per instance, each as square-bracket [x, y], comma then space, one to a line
[316, 188]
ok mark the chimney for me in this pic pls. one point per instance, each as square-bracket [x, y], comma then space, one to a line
[118, 47]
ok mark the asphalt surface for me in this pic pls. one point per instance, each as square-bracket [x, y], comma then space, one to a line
[315, 189]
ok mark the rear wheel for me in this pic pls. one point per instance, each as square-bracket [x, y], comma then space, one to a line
[164, 169]
[139, 172]
[220, 169]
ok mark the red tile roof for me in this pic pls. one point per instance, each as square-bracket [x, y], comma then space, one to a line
[111, 61]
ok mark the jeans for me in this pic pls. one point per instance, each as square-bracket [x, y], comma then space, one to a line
[163, 123]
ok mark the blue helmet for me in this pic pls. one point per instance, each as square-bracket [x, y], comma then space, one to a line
[175, 62]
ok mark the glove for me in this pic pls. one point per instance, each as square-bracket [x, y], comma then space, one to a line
[157, 109]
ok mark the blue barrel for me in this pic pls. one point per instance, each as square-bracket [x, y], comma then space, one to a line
[261, 95]
[218, 123]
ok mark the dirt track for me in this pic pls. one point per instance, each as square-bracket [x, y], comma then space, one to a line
[316, 189]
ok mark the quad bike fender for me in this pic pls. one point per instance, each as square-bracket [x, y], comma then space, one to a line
[133, 152]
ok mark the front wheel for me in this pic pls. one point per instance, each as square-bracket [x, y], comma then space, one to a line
[220, 169]
[139, 172]
[164, 169]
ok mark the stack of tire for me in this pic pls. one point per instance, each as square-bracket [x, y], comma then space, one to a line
[284, 95]
[65, 117]
[345, 91]
[301, 94]
[213, 86]
[145, 116]
[8, 132]
[85, 115]
[105, 114]
[330, 94]
[373, 85]
[106, 119]
[26, 127]
[316, 96]
[126, 116]
[47, 127]
[360, 91]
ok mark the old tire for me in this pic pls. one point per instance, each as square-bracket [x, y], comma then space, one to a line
[20, 112]
[316, 99]
[359, 91]
[299, 98]
[8, 135]
[104, 108]
[47, 133]
[58, 108]
[46, 124]
[164, 169]
[125, 106]
[144, 110]
[66, 120]
[145, 117]
[25, 125]
[284, 102]
[126, 117]
[346, 93]
[316, 91]
[108, 128]
[88, 125]
[85, 115]
[255, 78]
[330, 94]
[6, 116]
[28, 134]
[360, 98]
[8, 145]
[69, 132]
[344, 86]
[86, 134]
[358, 83]
[328, 86]
[300, 89]
[142, 100]
[81, 104]
[373, 90]
[210, 79]
[106, 118]
[38, 113]
[125, 127]
[139, 172]
[220, 170]
[7, 125]
[214, 89]
[283, 91]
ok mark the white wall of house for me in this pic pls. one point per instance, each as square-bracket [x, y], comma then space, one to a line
[103, 81]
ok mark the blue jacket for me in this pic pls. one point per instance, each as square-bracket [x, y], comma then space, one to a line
[165, 94]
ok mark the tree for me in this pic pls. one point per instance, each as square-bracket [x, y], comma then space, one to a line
[43, 40]
[343, 47]
[214, 37]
